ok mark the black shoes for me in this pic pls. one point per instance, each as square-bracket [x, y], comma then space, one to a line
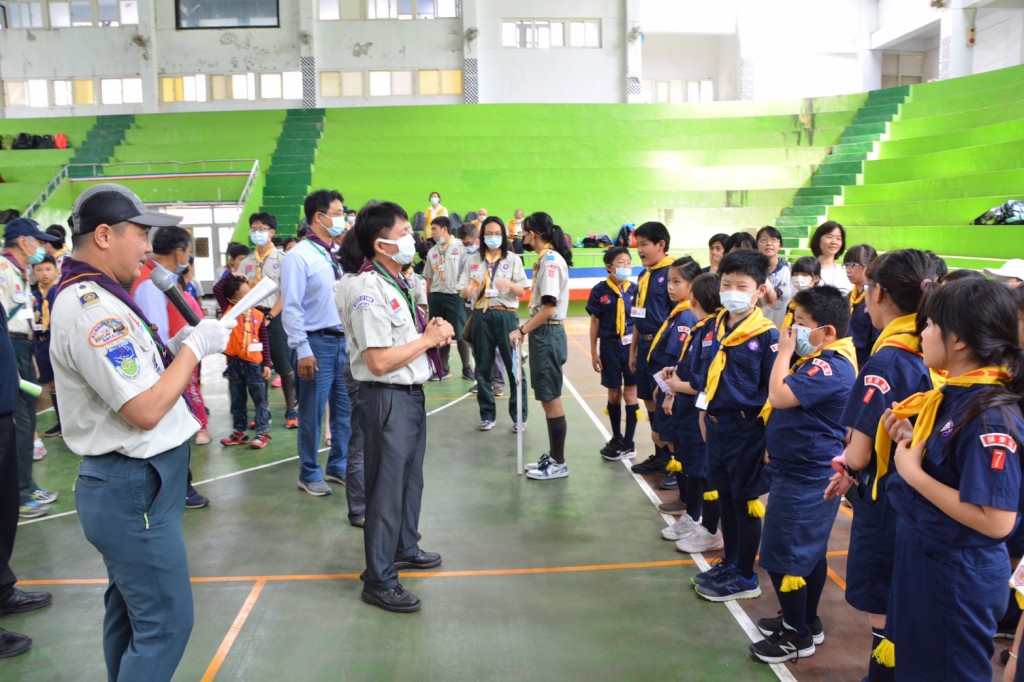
[612, 450]
[651, 465]
[23, 602]
[12, 644]
[395, 599]
[52, 432]
[421, 560]
[359, 522]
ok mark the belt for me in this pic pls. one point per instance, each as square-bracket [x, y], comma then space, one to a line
[326, 332]
[730, 417]
[405, 388]
[647, 337]
[556, 322]
[18, 336]
[499, 308]
[262, 308]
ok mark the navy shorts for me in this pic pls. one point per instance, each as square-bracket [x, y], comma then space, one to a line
[736, 456]
[797, 523]
[644, 374]
[869, 563]
[692, 453]
[42, 353]
[615, 364]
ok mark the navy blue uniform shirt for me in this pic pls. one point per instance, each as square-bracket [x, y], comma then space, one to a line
[603, 304]
[743, 385]
[670, 345]
[863, 332]
[657, 304]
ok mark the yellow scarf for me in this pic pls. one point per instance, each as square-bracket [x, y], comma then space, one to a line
[787, 321]
[620, 305]
[44, 308]
[693, 332]
[487, 278]
[645, 279]
[856, 298]
[925, 406]
[842, 346]
[540, 259]
[753, 325]
[900, 333]
[680, 307]
[259, 262]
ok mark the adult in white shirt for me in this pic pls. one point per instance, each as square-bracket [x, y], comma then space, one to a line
[827, 245]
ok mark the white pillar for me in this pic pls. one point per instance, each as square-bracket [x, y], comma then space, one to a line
[634, 52]
[955, 56]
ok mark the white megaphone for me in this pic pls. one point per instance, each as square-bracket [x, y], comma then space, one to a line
[259, 292]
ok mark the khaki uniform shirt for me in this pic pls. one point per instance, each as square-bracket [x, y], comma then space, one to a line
[509, 268]
[16, 298]
[103, 356]
[442, 266]
[551, 278]
[253, 270]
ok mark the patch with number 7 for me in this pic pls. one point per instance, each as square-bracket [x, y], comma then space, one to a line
[998, 459]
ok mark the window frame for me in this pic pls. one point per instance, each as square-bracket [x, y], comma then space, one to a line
[232, 27]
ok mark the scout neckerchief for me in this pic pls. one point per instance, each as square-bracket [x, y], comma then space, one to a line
[693, 332]
[433, 355]
[842, 347]
[680, 307]
[260, 260]
[489, 273]
[24, 280]
[645, 279]
[324, 250]
[856, 297]
[443, 253]
[900, 333]
[752, 325]
[44, 308]
[925, 406]
[620, 305]
[787, 321]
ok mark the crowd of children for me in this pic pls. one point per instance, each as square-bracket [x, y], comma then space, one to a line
[766, 377]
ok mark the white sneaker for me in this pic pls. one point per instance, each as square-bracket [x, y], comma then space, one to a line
[627, 452]
[38, 450]
[700, 541]
[498, 391]
[679, 529]
[552, 470]
[486, 425]
[516, 428]
[542, 462]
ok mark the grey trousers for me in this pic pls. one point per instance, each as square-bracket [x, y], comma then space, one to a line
[355, 490]
[393, 475]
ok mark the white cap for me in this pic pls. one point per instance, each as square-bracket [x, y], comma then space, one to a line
[1013, 268]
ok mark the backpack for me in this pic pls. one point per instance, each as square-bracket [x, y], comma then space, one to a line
[1009, 213]
[36, 141]
[593, 241]
[23, 141]
[7, 141]
[60, 141]
[46, 142]
[626, 236]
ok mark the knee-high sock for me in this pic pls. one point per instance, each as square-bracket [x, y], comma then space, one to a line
[615, 418]
[729, 527]
[793, 603]
[288, 388]
[631, 414]
[815, 586]
[56, 411]
[556, 437]
[694, 497]
[446, 351]
[748, 537]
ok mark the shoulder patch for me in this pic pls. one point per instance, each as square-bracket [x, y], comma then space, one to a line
[605, 299]
[106, 331]
[363, 302]
[708, 338]
[1003, 440]
[754, 345]
[395, 305]
[504, 266]
[124, 359]
[826, 368]
[878, 382]
[774, 347]
[552, 269]
[88, 299]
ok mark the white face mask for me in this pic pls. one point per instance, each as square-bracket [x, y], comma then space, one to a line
[338, 226]
[801, 282]
[736, 301]
[434, 201]
[260, 237]
[406, 249]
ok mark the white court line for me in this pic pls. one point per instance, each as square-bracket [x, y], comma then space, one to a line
[735, 609]
[447, 405]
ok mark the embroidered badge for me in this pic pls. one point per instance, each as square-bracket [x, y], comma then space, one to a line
[105, 332]
[708, 338]
[88, 299]
[998, 459]
[869, 394]
[395, 305]
[551, 257]
[504, 266]
[878, 382]
[683, 329]
[362, 303]
[605, 299]
[824, 366]
[812, 371]
[754, 345]
[660, 280]
[999, 439]
[124, 360]
[552, 270]
[474, 266]
[774, 347]
[947, 429]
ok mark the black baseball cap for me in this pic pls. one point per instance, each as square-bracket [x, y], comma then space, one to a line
[109, 204]
[26, 227]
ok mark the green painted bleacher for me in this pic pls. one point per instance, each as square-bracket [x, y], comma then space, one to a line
[27, 171]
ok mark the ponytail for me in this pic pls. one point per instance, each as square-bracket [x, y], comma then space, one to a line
[904, 275]
[542, 224]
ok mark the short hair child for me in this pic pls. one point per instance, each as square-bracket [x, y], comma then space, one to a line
[856, 263]
[44, 294]
[802, 435]
[740, 240]
[733, 391]
[248, 353]
[806, 273]
[611, 333]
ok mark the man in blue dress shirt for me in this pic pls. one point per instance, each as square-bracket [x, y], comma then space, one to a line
[316, 338]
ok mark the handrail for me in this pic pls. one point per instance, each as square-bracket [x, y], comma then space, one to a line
[247, 189]
[51, 187]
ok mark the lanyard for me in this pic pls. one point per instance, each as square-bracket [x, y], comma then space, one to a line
[407, 295]
[323, 252]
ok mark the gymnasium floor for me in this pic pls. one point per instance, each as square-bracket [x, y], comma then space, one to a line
[559, 580]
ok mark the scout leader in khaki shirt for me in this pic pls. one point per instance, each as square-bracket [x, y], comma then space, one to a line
[441, 269]
[256, 266]
[550, 278]
[490, 275]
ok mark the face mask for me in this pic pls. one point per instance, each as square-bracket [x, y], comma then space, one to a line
[181, 269]
[406, 249]
[259, 238]
[623, 273]
[434, 201]
[351, 220]
[38, 256]
[338, 226]
[493, 241]
[482, 217]
[801, 282]
[472, 249]
[736, 301]
[804, 347]
[527, 245]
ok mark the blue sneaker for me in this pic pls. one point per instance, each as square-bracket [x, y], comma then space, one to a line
[718, 570]
[728, 590]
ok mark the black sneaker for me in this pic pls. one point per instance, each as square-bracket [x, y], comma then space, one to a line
[612, 448]
[651, 465]
[1004, 656]
[395, 599]
[1006, 629]
[769, 626]
[783, 646]
[52, 432]
[668, 482]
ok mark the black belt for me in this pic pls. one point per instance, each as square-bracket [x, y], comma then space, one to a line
[18, 336]
[731, 417]
[647, 337]
[327, 332]
[405, 388]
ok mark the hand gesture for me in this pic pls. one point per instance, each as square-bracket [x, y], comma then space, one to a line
[898, 429]
[787, 342]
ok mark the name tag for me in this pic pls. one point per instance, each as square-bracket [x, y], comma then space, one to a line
[440, 268]
[662, 384]
[627, 340]
[638, 313]
[337, 285]
[702, 401]
[256, 347]
[36, 326]
[491, 293]
[26, 314]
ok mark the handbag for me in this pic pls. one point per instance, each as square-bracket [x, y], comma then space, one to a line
[467, 329]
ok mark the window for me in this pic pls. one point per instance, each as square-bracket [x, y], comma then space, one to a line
[183, 88]
[227, 14]
[129, 11]
[902, 68]
[67, 93]
[60, 14]
[291, 84]
[544, 33]
[242, 86]
[84, 91]
[678, 91]
[341, 84]
[440, 82]
[270, 86]
[28, 93]
[380, 83]
[81, 13]
[401, 83]
[121, 90]
[330, 84]
[329, 10]
[410, 9]
[25, 14]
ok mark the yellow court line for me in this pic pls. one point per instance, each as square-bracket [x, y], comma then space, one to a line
[836, 579]
[846, 510]
[232, 635]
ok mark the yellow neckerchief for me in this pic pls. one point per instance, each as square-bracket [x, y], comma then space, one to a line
[540, 259]
[513, 228]
[490, 267]
[900, 333]
[645, 279]
[443, 253]
[856, 297]
[693, 332]
[842, 347]
[680, 307]
[620, 305]
[44, 308]
[787, 321]
[752, 325]
[62, 251]
[259, 262]
[925, 406]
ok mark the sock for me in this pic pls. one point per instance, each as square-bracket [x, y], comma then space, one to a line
[615, 417]
[288, 388]
[793, 603]
[729, 527]
[556, 437]
[446, 351]
[694, 497]
[711, 514]
[748, 536]
[815, 586]
[662, 453]
[56, 412]
[631, 414]
[876, 671]
[466, 355]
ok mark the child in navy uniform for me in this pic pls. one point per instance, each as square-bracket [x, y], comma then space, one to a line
[649, 311]
[895, 370]
[864, 334]
[732, 385]
[957, 486]
[610, 324]
[696, 531]
[666, 348]
[803, 433]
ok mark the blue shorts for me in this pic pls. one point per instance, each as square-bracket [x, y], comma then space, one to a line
[797, 523]
[869, 563]
[692, 453]
[42, 353]
[736, 456]
[615, 364]
[644, 374]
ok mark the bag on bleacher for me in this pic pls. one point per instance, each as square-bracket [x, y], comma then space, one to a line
[60, 141]
[22, 141]
[1009, 213]
[36, 141]
[594, 241]
[46, 142]
[7, 141]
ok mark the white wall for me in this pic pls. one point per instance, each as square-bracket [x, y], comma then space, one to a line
[686, 57]
[999, 39]
[688, 16]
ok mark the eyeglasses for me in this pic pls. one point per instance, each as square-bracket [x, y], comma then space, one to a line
[767, 241]
[852, 266]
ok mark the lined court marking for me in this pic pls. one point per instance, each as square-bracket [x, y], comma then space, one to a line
[780, 669]
[232, 635]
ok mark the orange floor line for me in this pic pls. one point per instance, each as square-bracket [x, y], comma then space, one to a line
[836, 579]
[232, 635]
[846, 510]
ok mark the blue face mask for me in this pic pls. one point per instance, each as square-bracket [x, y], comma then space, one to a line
[623, 273]
[493, 241]
[472, 249]
[37, 257]
[804, 347]
[259, 237]
[736, 301]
